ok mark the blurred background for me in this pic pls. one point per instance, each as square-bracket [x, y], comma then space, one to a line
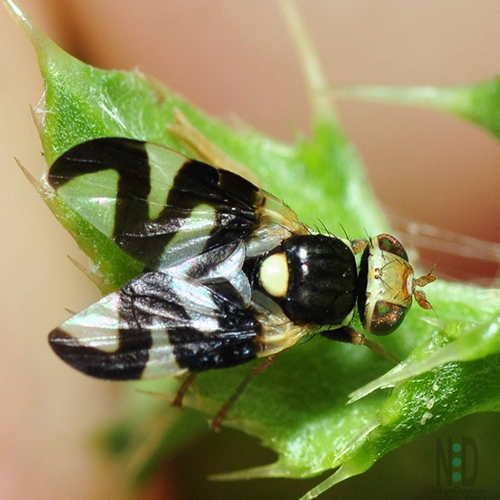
[234, 59]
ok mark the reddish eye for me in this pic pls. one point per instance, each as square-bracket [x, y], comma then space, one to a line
[388, 243]
[386, 318]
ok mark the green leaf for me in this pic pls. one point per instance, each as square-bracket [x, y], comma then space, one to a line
[298, 407]
[478, 103]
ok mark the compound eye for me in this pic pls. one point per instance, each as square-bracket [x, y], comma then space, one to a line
[388, 243]
[385, 318]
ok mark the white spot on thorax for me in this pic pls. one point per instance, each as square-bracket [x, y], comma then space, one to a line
[274, 275]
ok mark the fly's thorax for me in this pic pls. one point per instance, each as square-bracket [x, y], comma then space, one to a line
[312, 278]
[385, 285]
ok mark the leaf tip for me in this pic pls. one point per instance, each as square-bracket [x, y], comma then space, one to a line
[37, 37]
[337, 477]
[16, 12]
[27, 174]
[29, 28]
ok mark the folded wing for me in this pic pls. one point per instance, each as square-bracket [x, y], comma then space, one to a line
[159, 325]
[157, 205]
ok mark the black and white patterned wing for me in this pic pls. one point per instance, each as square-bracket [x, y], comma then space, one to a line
[162, 208]
[195, 318]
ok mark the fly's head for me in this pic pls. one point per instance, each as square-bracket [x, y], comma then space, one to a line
[387, 285]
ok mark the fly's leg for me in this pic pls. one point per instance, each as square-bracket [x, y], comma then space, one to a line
[184, 387]
[349, 335]
[256, 370]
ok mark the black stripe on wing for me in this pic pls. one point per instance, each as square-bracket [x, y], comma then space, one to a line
[127, 363]
[232, 343]
[158, 325]
[223, 203]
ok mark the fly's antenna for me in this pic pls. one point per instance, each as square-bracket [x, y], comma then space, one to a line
[419, 295]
